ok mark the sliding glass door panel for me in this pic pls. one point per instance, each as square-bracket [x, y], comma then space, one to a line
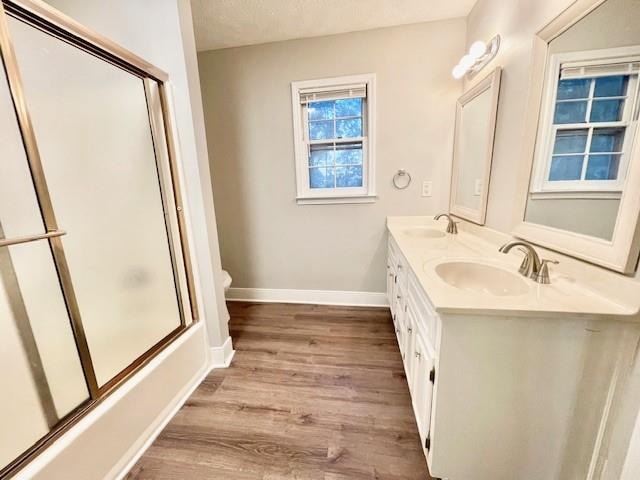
[19, 210]
[92, 128]
[41, 375]
[49, 321]
[22, 415]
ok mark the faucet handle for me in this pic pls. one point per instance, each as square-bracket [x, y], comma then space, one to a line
[525, 266]
[543, 272]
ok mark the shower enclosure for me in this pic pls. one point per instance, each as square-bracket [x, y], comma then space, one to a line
[95, 273]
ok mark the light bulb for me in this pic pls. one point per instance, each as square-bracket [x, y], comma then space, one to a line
[466, 62]
[458, 71]
[478, 49]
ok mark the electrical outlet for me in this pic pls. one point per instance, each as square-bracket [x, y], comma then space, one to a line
[478, 187]
[427, 186]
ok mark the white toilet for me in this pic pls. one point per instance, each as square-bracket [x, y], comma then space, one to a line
[226, 280]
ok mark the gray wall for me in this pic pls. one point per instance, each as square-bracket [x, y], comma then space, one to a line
[595, 217]
[267, 240]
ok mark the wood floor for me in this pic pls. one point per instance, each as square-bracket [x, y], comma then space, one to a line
[313, 393]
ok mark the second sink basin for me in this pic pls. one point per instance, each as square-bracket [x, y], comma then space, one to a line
[424, 232]
[482, 278]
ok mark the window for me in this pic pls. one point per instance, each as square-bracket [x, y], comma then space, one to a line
[588, 129]
[334, 139]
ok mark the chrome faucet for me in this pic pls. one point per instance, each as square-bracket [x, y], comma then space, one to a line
[532, 266]
[452, 227]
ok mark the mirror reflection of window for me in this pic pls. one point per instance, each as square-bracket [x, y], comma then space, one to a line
[588, 122]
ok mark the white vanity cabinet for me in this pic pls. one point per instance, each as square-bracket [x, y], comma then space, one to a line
[504, 394]
[415, 324]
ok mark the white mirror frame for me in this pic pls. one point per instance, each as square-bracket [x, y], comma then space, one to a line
[621, 252]
[490, 82]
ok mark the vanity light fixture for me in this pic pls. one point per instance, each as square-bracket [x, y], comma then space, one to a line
[479, 55]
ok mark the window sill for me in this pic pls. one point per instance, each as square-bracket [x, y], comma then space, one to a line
[336, 200]
[549, 195]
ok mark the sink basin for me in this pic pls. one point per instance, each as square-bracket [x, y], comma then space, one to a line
[482, 278]
[424, 232]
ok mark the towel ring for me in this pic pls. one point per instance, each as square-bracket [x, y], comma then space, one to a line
[399, 174]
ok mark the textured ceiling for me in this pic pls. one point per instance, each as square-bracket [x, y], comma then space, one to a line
[232, 23]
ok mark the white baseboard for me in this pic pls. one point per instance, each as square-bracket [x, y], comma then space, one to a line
[317, 297]
[220, 357]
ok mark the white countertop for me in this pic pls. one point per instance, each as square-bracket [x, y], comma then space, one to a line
[571, 291]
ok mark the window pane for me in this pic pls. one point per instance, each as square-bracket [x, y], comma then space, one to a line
[615, 86]
[566, 168]
[349, 128]
[321, 178]
[320, 110]
[570, 141]
[349, 154]
[321, 130]
[349, 176]
[570, 112]
[349, 107]
[603, 167]
[607, 140]
[606, 110]
[321, 155]
[572, 89]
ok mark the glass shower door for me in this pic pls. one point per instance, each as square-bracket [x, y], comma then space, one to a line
[95, 271]
[41, 376]
[91, 124]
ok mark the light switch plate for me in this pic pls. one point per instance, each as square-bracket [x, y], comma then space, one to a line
[478, 187]
[427, 186]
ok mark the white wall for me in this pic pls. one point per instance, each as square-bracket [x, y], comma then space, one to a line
[216, 325]
[267, 240]
[103, 443]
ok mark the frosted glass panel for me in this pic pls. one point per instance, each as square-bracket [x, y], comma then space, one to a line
[21, 414]
[42, 296]
[41, 375]
[19, 211]
[91, 123]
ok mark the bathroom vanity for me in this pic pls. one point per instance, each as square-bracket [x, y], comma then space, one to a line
[486, 351]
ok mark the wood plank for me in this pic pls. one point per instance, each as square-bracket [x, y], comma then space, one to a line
[314, 392]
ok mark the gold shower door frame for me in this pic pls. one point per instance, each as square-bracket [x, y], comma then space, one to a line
[40, 15]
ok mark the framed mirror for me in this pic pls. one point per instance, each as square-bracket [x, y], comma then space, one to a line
[581, 163]
[476, 112]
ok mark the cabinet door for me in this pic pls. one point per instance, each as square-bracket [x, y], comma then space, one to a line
[401, 329]
[391, 276]
[422, 392]
[409, 342]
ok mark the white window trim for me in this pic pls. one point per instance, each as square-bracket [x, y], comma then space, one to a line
[364, 194]
[540, 187]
